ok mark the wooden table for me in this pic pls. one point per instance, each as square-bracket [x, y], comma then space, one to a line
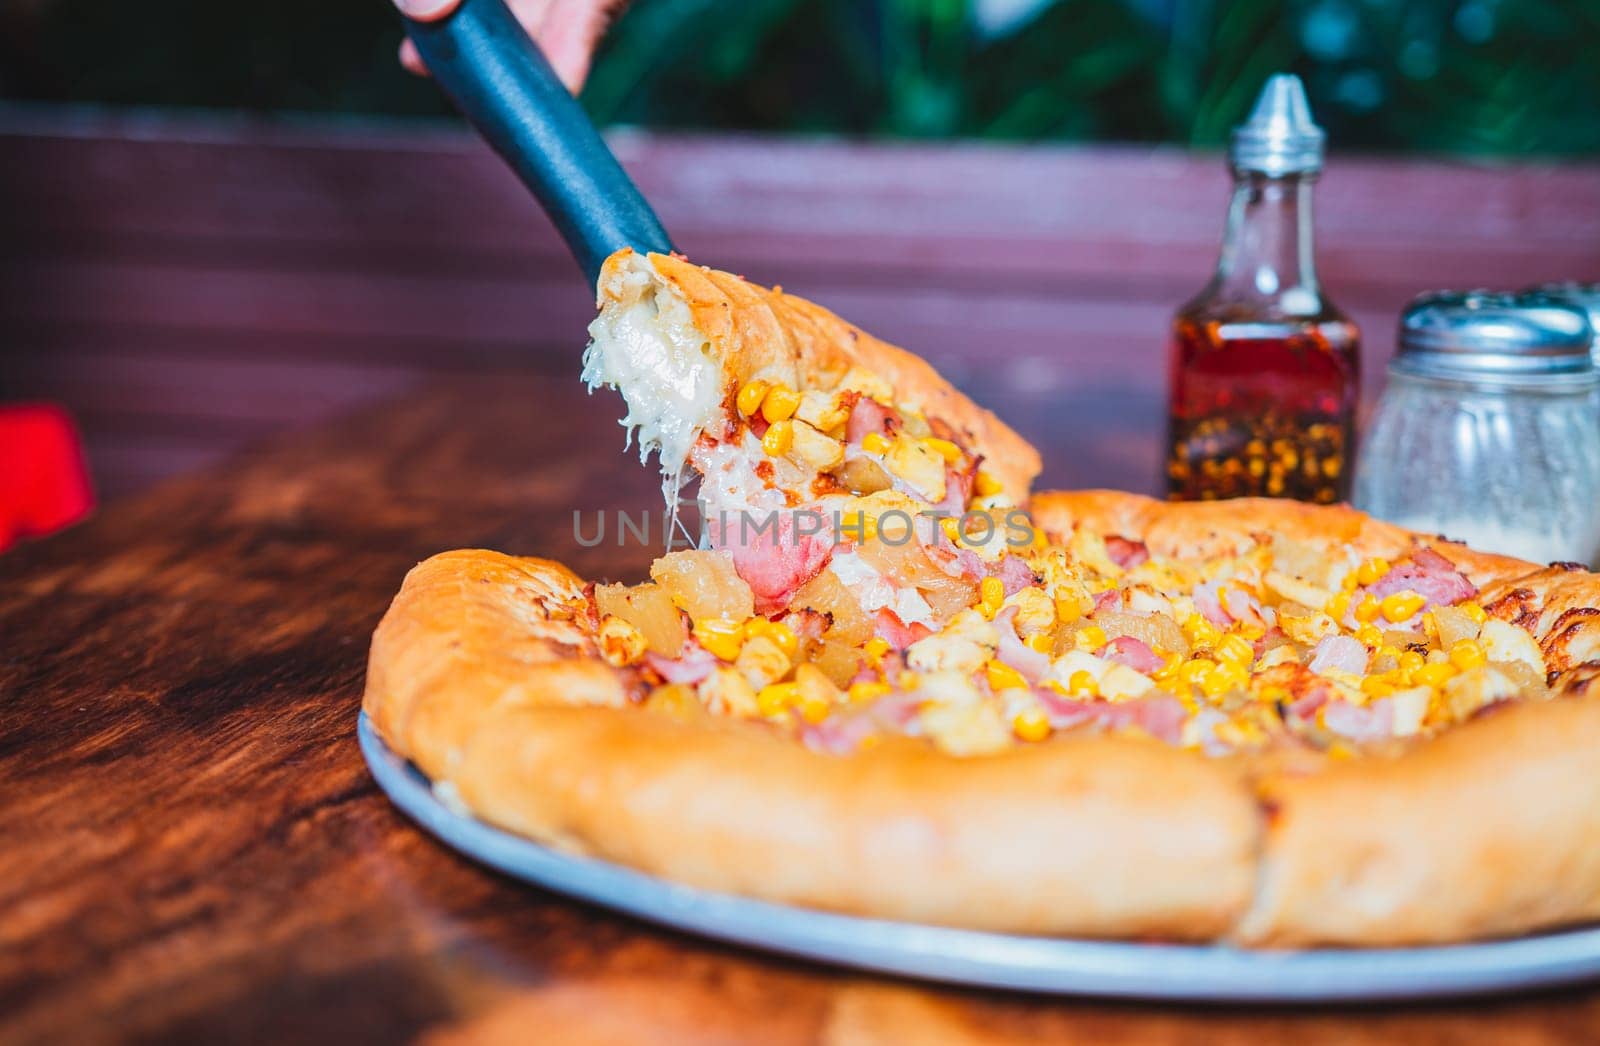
[193, 848]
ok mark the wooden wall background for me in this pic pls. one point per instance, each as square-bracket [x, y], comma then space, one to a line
[188, 285]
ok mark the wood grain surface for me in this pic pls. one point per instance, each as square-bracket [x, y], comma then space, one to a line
[187, 285]
[193, 849]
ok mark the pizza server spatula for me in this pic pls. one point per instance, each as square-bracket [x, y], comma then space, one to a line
[502, 83]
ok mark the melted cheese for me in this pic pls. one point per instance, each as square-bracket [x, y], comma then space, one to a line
[647, 348]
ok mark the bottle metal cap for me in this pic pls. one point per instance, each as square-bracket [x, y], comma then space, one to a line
[1280, 137]
[1527, 339]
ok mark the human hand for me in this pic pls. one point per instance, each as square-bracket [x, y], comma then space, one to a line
[567, 31]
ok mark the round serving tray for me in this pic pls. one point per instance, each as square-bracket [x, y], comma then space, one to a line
[1040, 964]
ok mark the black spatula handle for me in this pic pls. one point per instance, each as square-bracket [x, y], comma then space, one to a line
[505, 87]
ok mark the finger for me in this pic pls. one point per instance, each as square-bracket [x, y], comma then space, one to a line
[411, 60]
[569, 33]
[426, 10]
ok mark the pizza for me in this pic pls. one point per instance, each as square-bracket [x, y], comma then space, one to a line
[888, 679]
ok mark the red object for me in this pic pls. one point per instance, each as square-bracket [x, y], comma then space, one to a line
[44, 480]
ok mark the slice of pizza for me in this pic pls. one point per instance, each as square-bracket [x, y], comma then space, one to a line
[879, 685]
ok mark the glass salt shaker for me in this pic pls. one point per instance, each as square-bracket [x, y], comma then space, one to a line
[1489, 430]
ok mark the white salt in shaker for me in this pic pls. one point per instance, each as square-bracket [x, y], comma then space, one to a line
[1489, 429]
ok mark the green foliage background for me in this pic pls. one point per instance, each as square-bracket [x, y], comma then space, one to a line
[1473, 77]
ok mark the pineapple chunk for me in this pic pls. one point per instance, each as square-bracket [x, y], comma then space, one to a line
[920, 467]
[648, 608]
[821, 410]
[814, 450]
[826, 594]
[1503, 641]
[838, 660]
[726, 692]
[705, 584]
[1454, 626]
[1293, 590]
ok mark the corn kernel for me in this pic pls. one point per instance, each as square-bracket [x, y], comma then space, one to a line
[865, 691]
[780, 403]
[1250, 631]
[813, 708]
[777, 631]
[875, 648]
[1410, 661]
[773, 698]
[1091, 638]
[1467, 653]
[1369, 636]
[1081, 684]
[1369, 572]
[1042, 642]
[1223, 678]
[1401, 605]
[1348, 582]
[944, 448]
[1338, 606]
[1235, 650]
[779, 438]
[985, 485]
[1031, 725]
[1435, 675]
[749, 398]
[1069, 609]
[909, 681]
[991, 596]
[1474, 611]
[1003, 677]
[952, 530]
[1376, 686]
[1367, 609]
[875, 443]
[721, 636]
[1201, 632]
[1196, 670]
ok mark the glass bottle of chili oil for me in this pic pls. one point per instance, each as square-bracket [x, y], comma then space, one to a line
[1264, 370]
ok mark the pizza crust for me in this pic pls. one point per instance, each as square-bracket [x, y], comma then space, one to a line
[1487, 830]
[479, 675]
[475, 678]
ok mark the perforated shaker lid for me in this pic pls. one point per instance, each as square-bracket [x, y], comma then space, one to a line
[1584, 295]
[1529, 338]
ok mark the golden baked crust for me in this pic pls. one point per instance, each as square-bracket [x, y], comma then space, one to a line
[756, 332]
[477, 679]
[1490, 829]
[482, 675]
